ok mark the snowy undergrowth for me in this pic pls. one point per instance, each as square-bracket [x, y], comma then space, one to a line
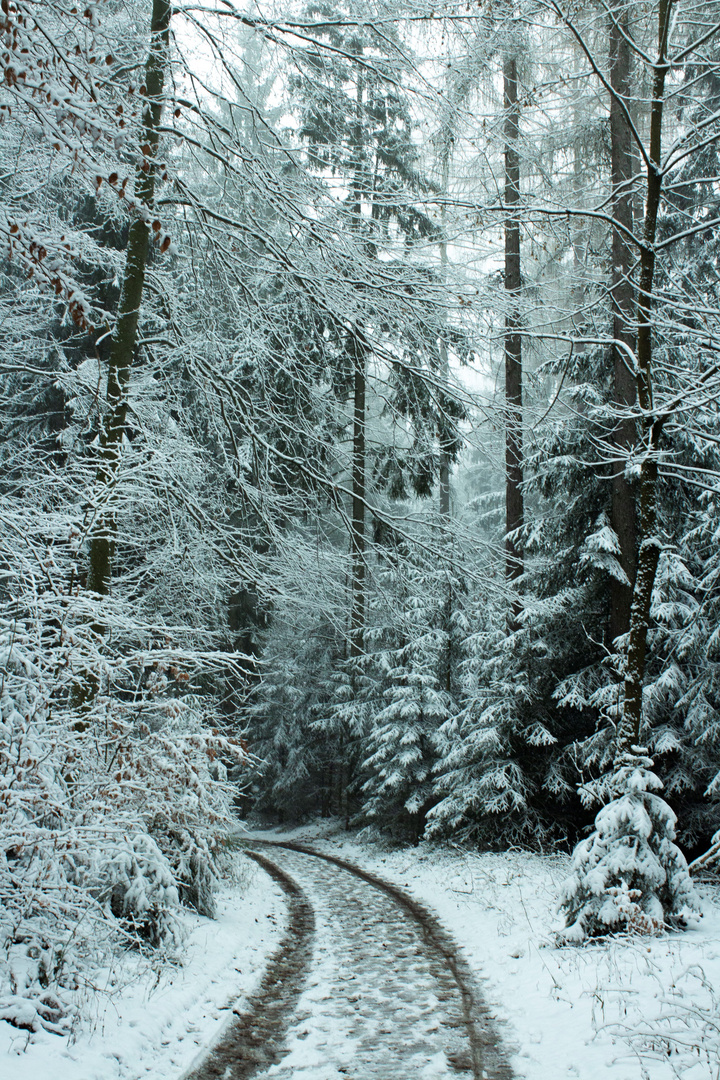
[151, 1016]
[115, 798]
[627, 1008]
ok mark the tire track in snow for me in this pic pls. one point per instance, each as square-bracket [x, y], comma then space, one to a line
[254, 1040]
[488, 1058]
[388, 995]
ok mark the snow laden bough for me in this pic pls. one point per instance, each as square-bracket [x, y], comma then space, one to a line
[629, 875]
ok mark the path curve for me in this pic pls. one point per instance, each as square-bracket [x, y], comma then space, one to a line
[366, 985]
[253, 1041]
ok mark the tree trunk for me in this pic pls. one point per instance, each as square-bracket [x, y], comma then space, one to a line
[357, 535]
[444, 493]
[444, 478]
[623, 316]
[649, 551]
[359, 361]
[124, 338]
[514, 511]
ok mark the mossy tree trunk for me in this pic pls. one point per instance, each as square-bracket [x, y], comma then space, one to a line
[124, 339]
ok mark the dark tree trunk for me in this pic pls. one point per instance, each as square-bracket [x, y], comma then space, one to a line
[623, 315]
[359, 361]
[357, 535]
[514, 510]
[649, 551]
[444, 478]
[124, 338]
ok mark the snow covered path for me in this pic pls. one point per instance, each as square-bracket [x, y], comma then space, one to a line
[382, 994]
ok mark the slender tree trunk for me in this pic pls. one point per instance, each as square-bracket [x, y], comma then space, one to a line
[357, 535]
[514, 510]
[444, 493]
[445, 672]
[359, 361]
[623, 315]
[444, 478]
[124, 339]
[649, 551]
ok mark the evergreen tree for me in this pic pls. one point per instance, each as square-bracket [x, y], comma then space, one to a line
[412, 659]
[628, 875]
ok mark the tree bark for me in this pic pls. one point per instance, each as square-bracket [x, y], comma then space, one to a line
[124, 338]
[357, 535]
[514, 509]
[359, 351]
[444, 478]
[623, 514]
[649, 551]
[359, 360]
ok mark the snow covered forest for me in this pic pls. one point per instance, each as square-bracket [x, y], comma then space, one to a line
[360, 414]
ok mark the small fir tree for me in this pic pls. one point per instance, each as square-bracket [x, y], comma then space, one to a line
[629, 874]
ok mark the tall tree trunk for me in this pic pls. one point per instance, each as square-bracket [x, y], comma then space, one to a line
[649, 550]
[357, 535]
[359, 360]
[444, 478]
[623, 315]
[444, 493]
[124, 338]
[514, 510]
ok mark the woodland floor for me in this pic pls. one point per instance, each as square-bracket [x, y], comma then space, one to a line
[316, 973]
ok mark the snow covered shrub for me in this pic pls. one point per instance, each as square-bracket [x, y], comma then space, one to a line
[139, 888]
[112, 811]
[629, 875]
[40, 906]
[172, 770]
[44, 1010]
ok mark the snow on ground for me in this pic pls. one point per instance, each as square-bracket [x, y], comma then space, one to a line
[628, 1009]
[150, 1022]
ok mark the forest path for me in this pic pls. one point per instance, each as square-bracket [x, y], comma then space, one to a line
[366, 985]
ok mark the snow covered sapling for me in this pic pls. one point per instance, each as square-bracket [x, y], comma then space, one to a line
[629, 875]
